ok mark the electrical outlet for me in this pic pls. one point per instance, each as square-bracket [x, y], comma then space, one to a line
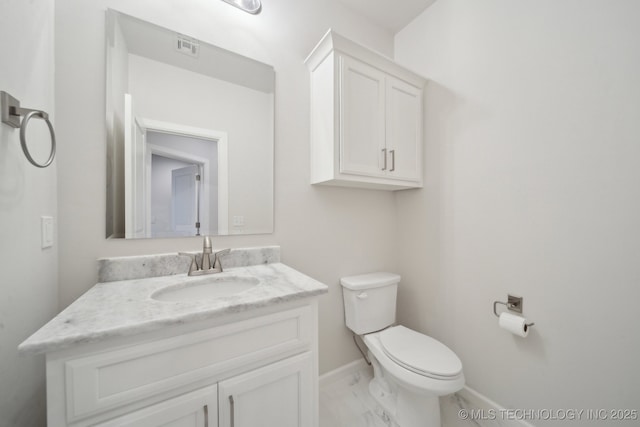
[238, 221]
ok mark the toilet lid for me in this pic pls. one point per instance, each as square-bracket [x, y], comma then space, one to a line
[420, 353]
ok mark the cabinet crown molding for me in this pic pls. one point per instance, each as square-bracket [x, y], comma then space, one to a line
[332, 41]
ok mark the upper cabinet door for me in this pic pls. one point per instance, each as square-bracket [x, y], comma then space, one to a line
[362, 121]
[403, 130]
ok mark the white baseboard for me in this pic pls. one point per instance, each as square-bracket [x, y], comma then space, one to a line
[343, 371]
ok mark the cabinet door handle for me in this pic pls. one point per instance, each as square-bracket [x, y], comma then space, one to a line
[384, 156]
[393, 160]
[232, 409]
[206, 415]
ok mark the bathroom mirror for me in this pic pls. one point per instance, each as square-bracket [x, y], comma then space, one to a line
[189, 135]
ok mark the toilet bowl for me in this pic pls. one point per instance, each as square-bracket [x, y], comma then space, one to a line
[411, 370]
[416, 361]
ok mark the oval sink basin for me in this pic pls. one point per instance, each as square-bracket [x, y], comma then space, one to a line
[208, 288]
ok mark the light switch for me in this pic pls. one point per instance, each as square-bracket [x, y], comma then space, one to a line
[47, 231]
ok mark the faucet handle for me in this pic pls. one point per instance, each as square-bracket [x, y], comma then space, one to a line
[216, 262]
[194, 261]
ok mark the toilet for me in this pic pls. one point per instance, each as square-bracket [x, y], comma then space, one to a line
[411, 370]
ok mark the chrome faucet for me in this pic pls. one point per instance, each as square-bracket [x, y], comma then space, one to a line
[206, 253]
[205, 266]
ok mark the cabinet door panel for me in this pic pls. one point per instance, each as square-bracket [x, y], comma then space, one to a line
[361, 118]
[279, 394]
[194, 409]
[404, 130]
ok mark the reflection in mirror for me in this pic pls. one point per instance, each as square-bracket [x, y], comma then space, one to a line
[189, 135]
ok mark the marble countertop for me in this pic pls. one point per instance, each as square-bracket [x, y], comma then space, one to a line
[125, 307]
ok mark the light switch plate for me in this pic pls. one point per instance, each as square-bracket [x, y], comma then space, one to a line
[47, 231]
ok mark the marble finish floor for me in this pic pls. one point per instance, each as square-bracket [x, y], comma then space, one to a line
[346, 402]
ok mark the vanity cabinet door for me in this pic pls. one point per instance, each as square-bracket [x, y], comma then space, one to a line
[280, 394]
[195, 409]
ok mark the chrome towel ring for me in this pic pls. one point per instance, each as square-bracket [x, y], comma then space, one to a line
[11, 113]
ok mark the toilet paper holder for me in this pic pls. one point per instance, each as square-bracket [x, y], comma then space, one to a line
[514, 304]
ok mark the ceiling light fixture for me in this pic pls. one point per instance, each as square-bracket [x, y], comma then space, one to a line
[252, 6]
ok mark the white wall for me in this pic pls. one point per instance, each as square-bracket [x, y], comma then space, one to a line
[531, 187]
[28, 274]
[324, 232]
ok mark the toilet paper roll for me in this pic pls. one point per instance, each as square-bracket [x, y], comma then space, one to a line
[517, 325]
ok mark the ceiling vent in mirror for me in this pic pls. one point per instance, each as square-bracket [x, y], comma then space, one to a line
[252, 6]
[187, 45]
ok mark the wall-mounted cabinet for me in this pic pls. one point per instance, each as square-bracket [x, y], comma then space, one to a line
[366, 118]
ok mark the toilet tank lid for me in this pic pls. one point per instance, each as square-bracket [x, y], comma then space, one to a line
[370, 280]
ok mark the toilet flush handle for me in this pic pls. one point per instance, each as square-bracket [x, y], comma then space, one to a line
[362, 295]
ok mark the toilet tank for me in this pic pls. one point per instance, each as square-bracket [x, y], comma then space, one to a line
[370, 301]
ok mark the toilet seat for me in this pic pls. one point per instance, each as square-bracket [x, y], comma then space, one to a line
[420, 353]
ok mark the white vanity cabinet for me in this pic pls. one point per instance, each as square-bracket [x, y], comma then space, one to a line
[256, 368]
[366, 118]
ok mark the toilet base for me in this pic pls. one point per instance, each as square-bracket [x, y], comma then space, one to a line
[400, 407]
[415, 410]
